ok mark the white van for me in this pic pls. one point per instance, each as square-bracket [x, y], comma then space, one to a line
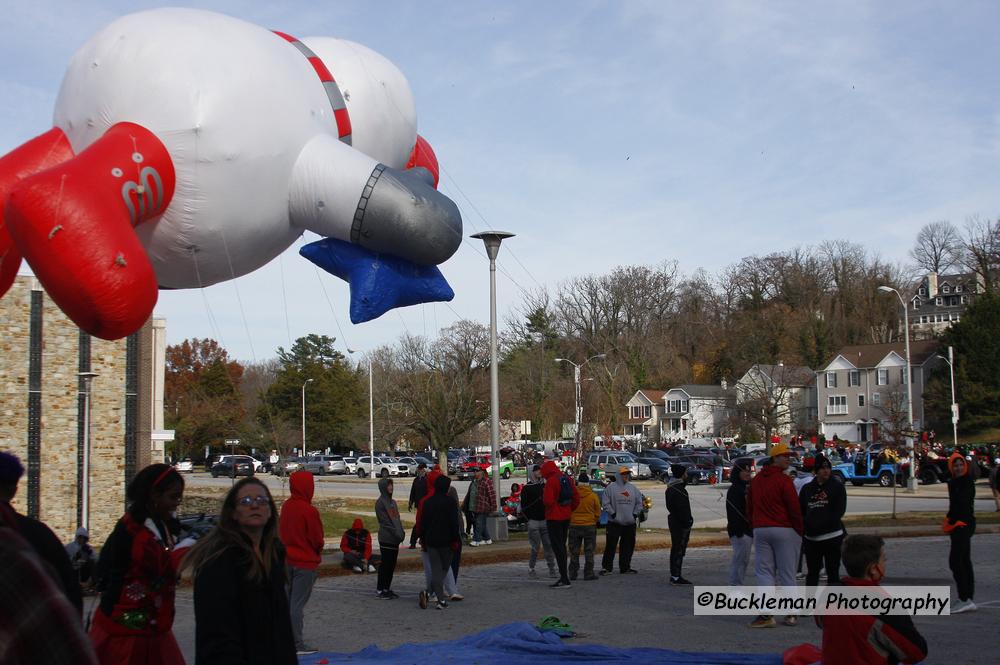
[750, 448]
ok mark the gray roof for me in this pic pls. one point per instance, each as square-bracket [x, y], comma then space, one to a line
[787, 375]
[709, 391]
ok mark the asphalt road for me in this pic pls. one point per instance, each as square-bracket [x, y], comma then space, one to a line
[642, 610]
[707, 501]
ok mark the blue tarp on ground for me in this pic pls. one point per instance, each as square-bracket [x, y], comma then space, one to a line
[521, 642]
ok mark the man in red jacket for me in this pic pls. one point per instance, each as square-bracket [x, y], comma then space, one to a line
[776, 517]
[558, 510]
[301, 532]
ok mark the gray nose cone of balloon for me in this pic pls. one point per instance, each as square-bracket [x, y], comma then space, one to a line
[402, 214]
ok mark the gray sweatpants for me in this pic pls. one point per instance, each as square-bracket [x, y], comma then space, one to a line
[300, 585]
[777, 555]
[741, 558]
[440, 560]
[450, 585]
[538, 536]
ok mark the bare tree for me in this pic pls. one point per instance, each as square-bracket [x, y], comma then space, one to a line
[938, 247]
[767, 397]
[981, 249]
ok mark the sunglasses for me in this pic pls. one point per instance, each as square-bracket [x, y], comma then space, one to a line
[260, 500]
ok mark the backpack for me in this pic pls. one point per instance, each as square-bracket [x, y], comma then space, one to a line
[565, 490]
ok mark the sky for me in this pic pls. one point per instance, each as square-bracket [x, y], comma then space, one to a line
[611, 133]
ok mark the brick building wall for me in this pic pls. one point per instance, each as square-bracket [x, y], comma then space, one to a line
[42, 408]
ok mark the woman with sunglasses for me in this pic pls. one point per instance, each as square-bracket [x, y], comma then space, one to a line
[240, 604]
[137, 571]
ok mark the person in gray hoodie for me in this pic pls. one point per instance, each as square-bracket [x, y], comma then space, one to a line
[622, 501]
[390, 535]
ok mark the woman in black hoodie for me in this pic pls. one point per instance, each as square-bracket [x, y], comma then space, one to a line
[439, 533]
[960, 525]
[823, 502]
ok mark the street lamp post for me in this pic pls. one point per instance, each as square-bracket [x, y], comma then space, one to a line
[954, 405]
[371, 414]
[911, 481]
[307, 382]
[579, 403]
[492, 240]
[87, 378]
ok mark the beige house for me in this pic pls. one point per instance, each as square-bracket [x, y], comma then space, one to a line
[644, 412]
[44, 359]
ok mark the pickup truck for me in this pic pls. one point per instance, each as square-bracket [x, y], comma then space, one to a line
[467, 469]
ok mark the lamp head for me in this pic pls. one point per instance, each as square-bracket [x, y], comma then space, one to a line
[886, 289]
[492, 240]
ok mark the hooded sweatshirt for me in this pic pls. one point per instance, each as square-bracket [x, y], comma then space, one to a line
[299, 526]
[961, 494]
[737, 523]
[390, 528]
[588, 513]
[554, 512]
[823, 505]
[439, 516]
[623, 501]
[772, 501]
[678, 505]
[357, 540]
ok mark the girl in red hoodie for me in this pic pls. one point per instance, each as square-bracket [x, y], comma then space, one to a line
[301, 531]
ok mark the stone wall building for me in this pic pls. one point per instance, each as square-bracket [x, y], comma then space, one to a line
[42, 407]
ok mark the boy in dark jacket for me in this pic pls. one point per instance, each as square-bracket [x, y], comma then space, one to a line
[417, 491]
[680, 521]
[356, 545]
[823, 502]
[301, 532]
[439, 532]
[865, 639]
[738, 524]
[390, 537]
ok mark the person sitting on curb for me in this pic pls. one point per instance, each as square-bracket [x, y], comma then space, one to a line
[679, 520]
[357, 547]
[866, 639]
[583, 530]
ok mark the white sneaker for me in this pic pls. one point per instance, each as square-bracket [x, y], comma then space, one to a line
[357, 569]
[487, 542]
[371, 568]
[963, 606]
[475, 543]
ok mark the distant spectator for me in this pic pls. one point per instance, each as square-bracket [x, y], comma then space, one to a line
[82, 557]
[776, 518]
[417, 491]
[45, 543]
[960, 525]
[583, 530]
[533, 509]
[623, 502]
[737, 523]
[390, 537]
[866, 639]
[356, 544]
[482, 502]
[679, 520]
[451, 578]
[301, 531]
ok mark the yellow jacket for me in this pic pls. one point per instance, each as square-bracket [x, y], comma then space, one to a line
[588, 513]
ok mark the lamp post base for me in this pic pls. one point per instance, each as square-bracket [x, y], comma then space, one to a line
[911, 485]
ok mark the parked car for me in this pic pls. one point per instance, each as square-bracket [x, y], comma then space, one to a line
[384, 467]
[287, 465]
[612, 460]
[869, 467]
[485, 462]
[657, 465]
[410, 462]
[185, 466]
[321, 465]
[233, 465]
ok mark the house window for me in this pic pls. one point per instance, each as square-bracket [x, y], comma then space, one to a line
[876, 399]
[916, 303]
[831, 379]
[684, 405]
[965, 299]
[646, 411]
[902, 375]
[938, 301]
[854, 378]
[836, 405]
[958, 289]
[946, 289]
[923, 291]
[882, 377]
[861, 400]
[937, 318]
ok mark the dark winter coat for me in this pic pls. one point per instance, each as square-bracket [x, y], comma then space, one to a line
[678, 506]
[737, 522]
[438, 524]
[823, 507]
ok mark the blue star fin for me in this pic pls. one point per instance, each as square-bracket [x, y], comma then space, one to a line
[379, 282]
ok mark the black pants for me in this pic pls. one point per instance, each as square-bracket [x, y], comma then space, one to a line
[413, 537]
[678, 547]
[823, 554]
[615, 533]
[388, 567]
[960, 561]
[558, 531]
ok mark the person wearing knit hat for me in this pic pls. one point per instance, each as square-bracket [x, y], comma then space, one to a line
[960, 525]
[823, 502]
[46, 544]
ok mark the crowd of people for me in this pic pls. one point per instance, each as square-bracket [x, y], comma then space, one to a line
[253, 573]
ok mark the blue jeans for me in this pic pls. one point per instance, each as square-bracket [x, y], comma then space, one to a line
[479, 530]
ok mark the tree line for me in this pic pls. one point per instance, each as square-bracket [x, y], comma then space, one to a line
[653, 327]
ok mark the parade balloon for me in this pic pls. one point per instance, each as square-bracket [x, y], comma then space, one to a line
[190, 148]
